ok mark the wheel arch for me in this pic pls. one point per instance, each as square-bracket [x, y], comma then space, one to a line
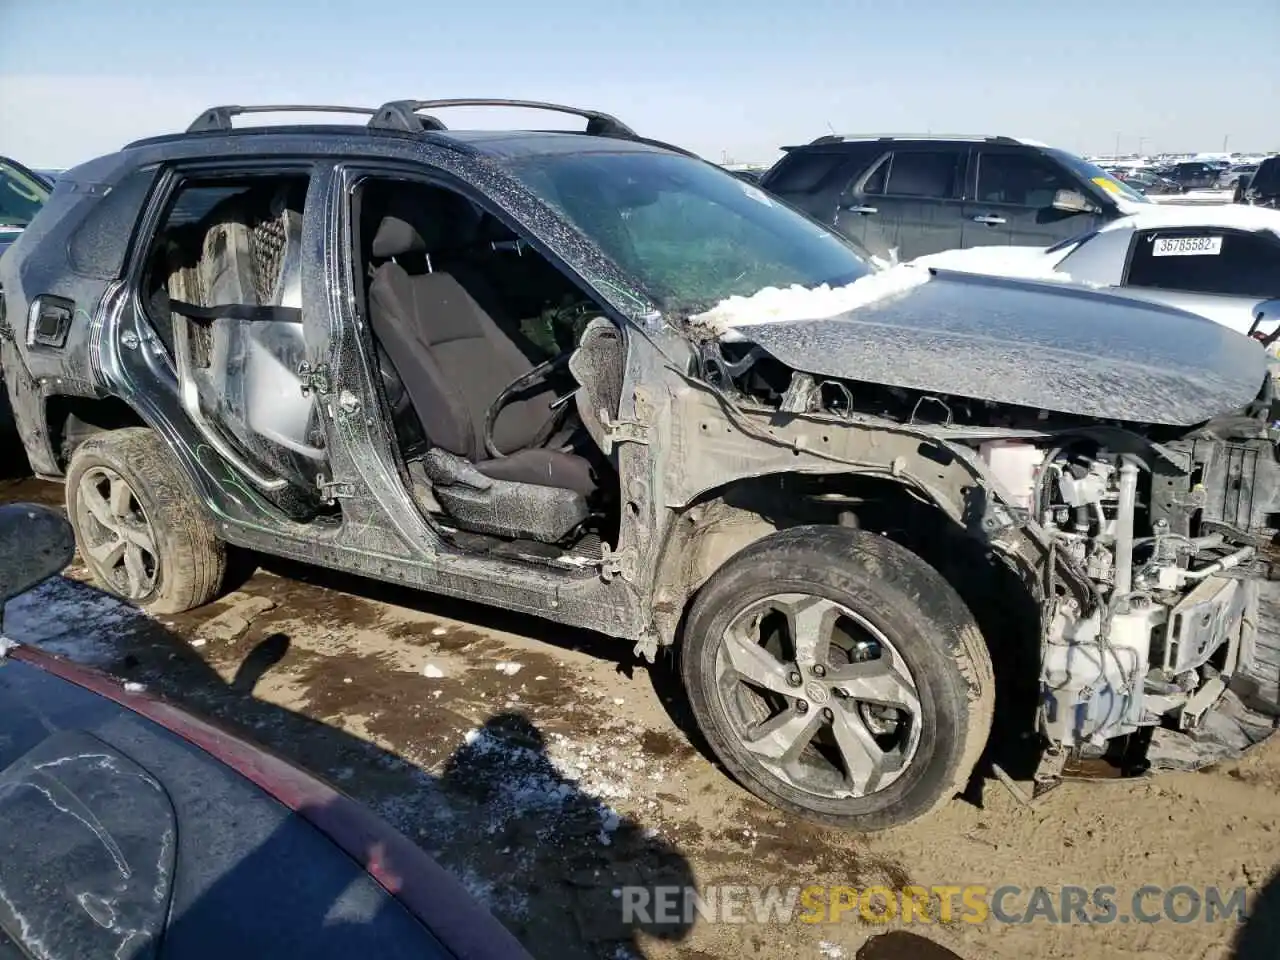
[907, 606]
[70, 419]
[187, 556]
[726, 519]
[995, 578]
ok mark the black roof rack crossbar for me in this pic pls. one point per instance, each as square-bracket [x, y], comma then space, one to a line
[403, 115]
[219, 118]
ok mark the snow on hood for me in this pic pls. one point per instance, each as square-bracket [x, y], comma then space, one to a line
[775, 304]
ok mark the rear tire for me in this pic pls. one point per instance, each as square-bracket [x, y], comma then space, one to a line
[900, 721]
[138, 525]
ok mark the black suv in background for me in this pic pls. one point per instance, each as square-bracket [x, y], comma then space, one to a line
[1262, 189]
[922, 194]
[1193, 174]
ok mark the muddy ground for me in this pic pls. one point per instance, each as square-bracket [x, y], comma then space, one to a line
[548, 770]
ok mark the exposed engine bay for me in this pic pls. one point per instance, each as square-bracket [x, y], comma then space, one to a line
[1152, 536]
[1176, 608]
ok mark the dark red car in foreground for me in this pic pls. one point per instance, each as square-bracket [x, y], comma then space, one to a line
[130, 829]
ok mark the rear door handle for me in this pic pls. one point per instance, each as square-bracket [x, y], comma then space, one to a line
[858, 209]
[989, 219]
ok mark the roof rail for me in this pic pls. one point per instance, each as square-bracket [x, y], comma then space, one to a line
[842, 137]
[219, 118]
[403, 115]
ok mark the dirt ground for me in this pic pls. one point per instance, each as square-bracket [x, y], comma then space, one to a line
[548, 770]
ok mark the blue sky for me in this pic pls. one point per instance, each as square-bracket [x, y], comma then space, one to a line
[723, 77]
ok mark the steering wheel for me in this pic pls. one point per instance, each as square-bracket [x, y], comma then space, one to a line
[516, 386]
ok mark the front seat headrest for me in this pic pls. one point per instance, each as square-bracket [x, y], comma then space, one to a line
[395, 238]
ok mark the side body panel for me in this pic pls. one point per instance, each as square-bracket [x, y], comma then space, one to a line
[382, 534]
[72, 251]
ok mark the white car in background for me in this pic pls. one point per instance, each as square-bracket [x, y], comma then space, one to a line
[1221, 262]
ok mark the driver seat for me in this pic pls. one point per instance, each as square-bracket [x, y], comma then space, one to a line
[453, 361]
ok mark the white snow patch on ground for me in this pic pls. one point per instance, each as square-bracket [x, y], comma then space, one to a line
[432, 671]
[608, 825]
[70, 619]
[557, 782]
[775, 304]
[606, 767]
[506, 901]
[509, 668]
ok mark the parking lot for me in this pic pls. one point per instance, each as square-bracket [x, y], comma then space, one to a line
[549, 771]
[639, 482]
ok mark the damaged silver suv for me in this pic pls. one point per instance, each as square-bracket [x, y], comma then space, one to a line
[594, 379]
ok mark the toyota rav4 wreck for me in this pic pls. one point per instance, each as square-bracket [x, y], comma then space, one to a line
[589, 377]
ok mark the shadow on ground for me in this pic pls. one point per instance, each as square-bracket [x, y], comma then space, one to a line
[481, 616]
[663, 674]
[902, 945]
[13, 459]
[546, 857]
[1259, 937]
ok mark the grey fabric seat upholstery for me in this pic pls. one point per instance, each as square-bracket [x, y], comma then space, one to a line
[453, 360]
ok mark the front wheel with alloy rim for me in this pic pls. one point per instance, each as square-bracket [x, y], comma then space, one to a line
[138, 526]
[838, 676]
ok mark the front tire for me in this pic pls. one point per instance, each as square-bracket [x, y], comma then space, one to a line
[838, 676]
[138, 525]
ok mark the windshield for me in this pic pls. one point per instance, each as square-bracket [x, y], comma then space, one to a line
[21, 195]
[691, 234]
[1096, 175]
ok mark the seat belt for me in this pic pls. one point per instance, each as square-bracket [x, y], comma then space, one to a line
[236, 311]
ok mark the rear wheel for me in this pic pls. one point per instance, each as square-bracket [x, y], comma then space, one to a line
[838, 676]
[138, 526]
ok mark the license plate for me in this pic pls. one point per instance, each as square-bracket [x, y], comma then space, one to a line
[1187, 247]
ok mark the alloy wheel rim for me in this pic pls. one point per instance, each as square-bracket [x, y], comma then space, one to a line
[116, 535]
[818, 696]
